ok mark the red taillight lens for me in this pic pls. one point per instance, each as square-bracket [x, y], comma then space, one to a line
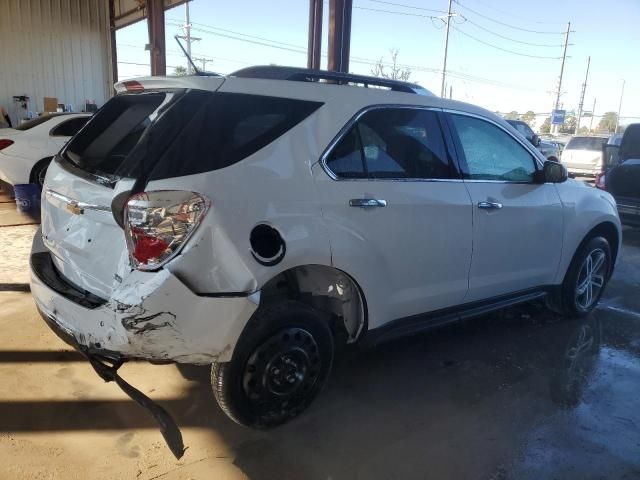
[133, 86]
[5, 143]
[600, 181]
[158, 224]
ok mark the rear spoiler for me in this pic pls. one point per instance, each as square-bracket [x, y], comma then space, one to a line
[141, 84]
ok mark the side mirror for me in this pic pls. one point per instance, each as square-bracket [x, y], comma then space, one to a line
[554, 172]
[535, 140]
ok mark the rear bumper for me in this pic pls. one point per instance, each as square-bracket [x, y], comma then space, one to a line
[629, 213]
[152, 316]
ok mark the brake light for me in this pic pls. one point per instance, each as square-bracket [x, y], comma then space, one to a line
[133, 86]
[5, 143]
[158, 224]
[600, 181]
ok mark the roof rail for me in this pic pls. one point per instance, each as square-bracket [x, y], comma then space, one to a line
[309, 75]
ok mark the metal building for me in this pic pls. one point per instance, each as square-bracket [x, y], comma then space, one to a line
[54, 48]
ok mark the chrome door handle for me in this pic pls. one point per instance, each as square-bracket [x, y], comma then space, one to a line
[490, 205]
[367, 202]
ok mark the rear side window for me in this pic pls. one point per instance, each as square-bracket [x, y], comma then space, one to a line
[69, 128]
[586, 143]
[392, 143]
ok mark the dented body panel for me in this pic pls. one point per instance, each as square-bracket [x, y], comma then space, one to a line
[151, 315]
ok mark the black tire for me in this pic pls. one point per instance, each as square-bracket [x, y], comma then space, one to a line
[39, 171]
[279, 365]
[568, 301]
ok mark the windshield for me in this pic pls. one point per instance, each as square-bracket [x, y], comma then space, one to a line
[586, 143]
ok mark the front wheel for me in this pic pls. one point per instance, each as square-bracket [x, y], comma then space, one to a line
[279, 365]
[586, 278]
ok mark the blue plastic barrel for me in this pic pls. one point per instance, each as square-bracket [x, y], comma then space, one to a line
[27, 197]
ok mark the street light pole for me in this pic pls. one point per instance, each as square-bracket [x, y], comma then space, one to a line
[619, 108]
[581, 104]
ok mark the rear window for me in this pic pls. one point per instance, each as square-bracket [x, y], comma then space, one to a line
[586, 143]
[153, 136]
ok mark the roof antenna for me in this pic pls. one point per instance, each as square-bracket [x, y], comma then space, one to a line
[195, 69]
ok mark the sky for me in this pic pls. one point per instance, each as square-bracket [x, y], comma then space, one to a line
[238, 33]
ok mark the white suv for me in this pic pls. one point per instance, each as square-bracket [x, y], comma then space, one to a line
[256, 221]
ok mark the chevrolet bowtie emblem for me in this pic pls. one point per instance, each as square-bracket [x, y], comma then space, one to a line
[74, 208]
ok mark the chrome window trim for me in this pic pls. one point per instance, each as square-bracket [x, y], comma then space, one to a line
[528, 147]
[343, 131]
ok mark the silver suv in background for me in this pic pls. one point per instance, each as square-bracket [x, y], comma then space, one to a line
[583, 155]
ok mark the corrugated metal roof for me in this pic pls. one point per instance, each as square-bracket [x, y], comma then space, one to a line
[54, 48]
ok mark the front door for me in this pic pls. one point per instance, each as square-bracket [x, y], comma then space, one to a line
[398, 218]
[517, 221]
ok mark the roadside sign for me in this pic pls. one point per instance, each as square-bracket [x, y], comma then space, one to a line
[557, 117]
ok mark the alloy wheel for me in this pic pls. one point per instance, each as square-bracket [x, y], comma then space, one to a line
[591, 278]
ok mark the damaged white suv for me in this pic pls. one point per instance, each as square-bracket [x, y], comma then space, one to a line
[256, 221]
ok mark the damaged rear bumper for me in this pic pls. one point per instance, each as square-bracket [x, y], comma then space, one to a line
[151, 315]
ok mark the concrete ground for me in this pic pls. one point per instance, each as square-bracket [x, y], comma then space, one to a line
[519, 394]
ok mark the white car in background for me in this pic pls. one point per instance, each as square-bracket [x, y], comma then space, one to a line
[27, 150]
[583, 155]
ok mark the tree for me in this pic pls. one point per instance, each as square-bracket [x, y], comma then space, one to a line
[608, 122]
[546, 125]
[529, 118]
[583, 131]
[569, 125]
[512, 115]
[395, 72]
[180, 71]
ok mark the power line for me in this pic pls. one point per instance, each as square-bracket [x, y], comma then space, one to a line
[522, 19]
[557, 45]
[507, 24]
[408, 6]
[406, 14]
[503, 49]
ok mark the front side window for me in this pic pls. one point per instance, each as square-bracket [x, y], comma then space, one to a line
[491, 153]
[392, 143]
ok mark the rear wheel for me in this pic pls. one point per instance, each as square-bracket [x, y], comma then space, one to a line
[279, 365]
[585, 280]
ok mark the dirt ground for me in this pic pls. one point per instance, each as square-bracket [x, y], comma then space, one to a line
[519, 394]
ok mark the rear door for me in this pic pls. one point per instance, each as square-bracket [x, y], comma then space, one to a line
[517, 222]
[399, 218]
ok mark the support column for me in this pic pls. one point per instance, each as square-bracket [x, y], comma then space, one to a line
[315, 34]
[114, 50]
[157, 48]
[339, 34]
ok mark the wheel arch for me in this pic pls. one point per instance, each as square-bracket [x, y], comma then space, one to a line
[606, 229]
[36, 166]
[326, 288]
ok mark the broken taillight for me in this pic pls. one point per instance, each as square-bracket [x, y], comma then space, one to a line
[158, 224]
[4, 143]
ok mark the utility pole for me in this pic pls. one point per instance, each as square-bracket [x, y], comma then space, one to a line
[186, 28]
[204, 62]
[446, 48]
[593, 114]
[584, 88]
[619, 108]
[564, 56]
[450, 92]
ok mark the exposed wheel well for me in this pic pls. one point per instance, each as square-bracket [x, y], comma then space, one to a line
[327, 289]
